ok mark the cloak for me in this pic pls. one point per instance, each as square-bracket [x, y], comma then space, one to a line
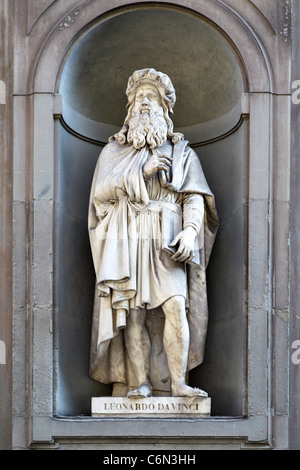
[118, 191]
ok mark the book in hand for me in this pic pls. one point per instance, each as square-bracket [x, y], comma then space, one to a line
[171, 227]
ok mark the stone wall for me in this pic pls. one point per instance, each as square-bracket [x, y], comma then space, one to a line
[37, 38]
[294, 421]
[6, 168]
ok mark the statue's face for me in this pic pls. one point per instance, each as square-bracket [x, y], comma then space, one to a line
[147, 99]
[147, 123]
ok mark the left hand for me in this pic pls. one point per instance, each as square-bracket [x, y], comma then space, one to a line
[155, 163]
[186, 240]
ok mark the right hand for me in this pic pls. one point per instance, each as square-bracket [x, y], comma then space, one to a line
[155, 163]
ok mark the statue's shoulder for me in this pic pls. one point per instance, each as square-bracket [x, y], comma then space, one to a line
[188, 150]
[183, 147]
[185, 144]
[187, 155]
[112, 146]
[110, 149]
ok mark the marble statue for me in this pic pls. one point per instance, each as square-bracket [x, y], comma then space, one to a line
[152, 225]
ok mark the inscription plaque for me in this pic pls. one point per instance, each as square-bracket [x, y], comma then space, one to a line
[153, 407]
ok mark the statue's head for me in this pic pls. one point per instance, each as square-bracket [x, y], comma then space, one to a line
[151, 97]
[158, 80]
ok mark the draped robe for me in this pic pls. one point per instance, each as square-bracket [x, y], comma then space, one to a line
[131, 223]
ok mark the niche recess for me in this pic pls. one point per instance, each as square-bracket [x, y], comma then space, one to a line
[207, 77]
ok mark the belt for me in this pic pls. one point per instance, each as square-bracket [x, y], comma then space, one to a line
[158, 206]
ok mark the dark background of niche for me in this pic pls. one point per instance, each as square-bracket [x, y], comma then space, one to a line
[89, 112]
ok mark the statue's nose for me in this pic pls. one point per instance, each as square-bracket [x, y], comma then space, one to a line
[145, 100]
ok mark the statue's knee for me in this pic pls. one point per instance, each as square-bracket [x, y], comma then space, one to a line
[175, 306]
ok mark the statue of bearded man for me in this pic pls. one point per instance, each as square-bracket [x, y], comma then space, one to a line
[152, 225]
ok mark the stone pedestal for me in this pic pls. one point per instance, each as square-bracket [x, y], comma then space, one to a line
[154, 407]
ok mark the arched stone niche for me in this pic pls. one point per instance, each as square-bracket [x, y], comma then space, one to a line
[237, 141]
[206, 72]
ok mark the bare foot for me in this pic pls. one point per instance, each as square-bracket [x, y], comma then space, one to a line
[186, 391]
[143, 391]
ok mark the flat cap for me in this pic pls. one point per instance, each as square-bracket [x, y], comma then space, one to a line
[152, 77]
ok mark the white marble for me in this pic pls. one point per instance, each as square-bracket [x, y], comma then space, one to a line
[152, 407]
[152, 224]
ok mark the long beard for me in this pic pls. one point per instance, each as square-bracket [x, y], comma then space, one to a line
[145, 128]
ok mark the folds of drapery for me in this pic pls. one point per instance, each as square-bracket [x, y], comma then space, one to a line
[118, 194]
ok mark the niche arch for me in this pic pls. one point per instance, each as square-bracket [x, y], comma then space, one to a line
[258, 83]
[209, 83]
